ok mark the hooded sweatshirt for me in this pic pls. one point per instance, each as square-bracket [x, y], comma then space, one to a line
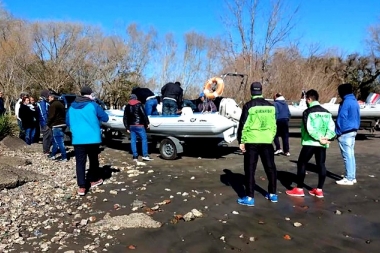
[282, 109]
[348, 119]
[84, 118]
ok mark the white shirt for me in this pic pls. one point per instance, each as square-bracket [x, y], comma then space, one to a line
[17, 108]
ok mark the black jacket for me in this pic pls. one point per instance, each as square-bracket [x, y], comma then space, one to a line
[2, 109]
[172, 90]
[27, 117]
[142, 94]
[134, 114]
[57, 114]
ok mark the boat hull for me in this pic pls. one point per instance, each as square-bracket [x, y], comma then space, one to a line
[194, 125]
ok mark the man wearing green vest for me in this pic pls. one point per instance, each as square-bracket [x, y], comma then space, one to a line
[317, 128]
[257, 129]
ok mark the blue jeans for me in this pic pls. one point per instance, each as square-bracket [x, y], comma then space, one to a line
[347, 145]
[58, 142]
[140, 131]
[151, 107]
[29, 135]
[169, 107]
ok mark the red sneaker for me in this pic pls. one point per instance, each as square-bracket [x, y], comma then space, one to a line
[97, 183]
[81, 191]
[296, 192]
[316, 192]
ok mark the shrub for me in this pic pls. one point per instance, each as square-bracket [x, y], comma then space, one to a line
[7, 126]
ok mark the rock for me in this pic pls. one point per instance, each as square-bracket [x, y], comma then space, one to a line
[113, 192]
[133, 220]
[297, 224]
[252, 239]
[287, 218]
[337, 212]
[196, 213]
[189, 216]
[235, 212]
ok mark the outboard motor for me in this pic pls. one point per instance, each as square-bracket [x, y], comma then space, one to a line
[230, 109]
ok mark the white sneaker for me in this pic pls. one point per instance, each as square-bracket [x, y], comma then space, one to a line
[287, 154]
[345, 181]
[354, 181]
[147, 158]
[277, 152]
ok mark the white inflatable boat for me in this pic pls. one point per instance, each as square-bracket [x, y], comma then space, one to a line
[370, 109]
[171, 131]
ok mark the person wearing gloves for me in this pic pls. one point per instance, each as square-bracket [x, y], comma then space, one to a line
[282, 121]
[317, 129]
[84, 118]
[347, 125]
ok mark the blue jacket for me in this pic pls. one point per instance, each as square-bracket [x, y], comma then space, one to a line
[84, 119]
[348, 119]
[282, 109]
[43, 109]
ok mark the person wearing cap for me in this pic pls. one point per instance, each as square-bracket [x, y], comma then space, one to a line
[317, 129]
[43, 108]
[282, 121]
[206, 105]
[148, 99]
[172, 96]
[347, 125]
[84, 118]
[56, 121]
[256, 131]
[136, 122]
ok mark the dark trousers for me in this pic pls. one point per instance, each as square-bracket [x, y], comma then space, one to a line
[306, 154]
[283, 132]
[81, 153]
[47, 137]
[251, 156]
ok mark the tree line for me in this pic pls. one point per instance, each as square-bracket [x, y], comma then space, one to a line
[63, 56]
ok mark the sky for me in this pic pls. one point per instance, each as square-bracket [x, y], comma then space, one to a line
[337, 24]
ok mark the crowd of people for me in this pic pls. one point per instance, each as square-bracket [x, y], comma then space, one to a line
[262, 122]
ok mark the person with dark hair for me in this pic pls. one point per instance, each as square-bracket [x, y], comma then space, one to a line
[57, 123]
[172, 96]
[347, 125]
[33, 107]
[27, 119]
[256, 131]
[84, 117]
[136, 121]
[206, 104]
[17, 110]
[317, 129]
[43, 109]
[148, 99]
[2, 108]
[282, 121]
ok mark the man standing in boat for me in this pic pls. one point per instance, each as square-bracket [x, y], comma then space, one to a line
[317, 128]
[257, 128]
[148, 99]
[172, 96]
[347, 125]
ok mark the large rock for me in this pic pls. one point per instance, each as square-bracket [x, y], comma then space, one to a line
[134, 220]
[13, 143]
[11, 177]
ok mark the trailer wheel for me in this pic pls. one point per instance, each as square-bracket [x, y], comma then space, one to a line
[168, 149]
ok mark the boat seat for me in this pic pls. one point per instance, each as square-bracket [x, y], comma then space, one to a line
[187, 111]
